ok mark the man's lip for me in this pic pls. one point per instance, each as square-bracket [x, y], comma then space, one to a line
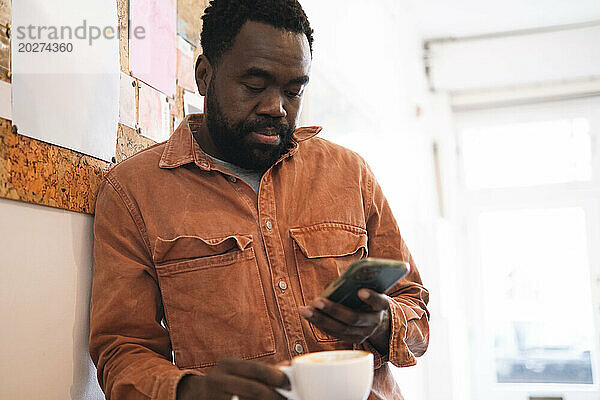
[269, 138]
[267, 132]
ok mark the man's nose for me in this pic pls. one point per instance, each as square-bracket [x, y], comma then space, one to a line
[272, 104]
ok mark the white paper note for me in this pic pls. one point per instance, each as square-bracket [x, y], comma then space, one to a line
[66, 81]
[165, 119]
[5, 100]
[127, 109]
[192, 103]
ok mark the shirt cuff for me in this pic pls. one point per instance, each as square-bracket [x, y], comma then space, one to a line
[398, 352]
[378, 358]
[168, 388]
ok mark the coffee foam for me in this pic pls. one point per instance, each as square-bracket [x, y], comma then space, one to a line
[328, 357]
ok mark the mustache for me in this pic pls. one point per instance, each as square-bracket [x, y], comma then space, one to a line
[279, 126]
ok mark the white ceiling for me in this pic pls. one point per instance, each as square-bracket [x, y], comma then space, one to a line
[457, 18]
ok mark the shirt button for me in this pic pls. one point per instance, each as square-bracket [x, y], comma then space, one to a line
[282, 285]
[298, 348]
[269, 225]
[232, 179]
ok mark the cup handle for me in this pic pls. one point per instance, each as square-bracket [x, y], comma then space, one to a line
[289, 394]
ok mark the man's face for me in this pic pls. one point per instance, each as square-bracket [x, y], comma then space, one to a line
[255, 93]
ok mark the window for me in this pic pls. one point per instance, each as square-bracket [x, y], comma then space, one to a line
[530, 179]
[528, 153]
[537, 294]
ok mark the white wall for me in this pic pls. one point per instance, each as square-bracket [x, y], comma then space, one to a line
[469, 64]
[369, 90]
[459, 18]
[46, 267]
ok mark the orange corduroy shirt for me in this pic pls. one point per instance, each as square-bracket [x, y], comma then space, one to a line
[191, 265]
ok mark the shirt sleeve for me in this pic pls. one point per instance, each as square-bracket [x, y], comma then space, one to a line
[409, 317]
[128, 344]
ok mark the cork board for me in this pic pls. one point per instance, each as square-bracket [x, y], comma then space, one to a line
[130, 142]
[189, 19]
[37, 172]
[5, 7]
[123, 17]
[179, 106]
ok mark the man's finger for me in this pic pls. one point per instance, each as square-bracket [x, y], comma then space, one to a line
[350, 334]
[244, 388]
[377, 301]
[264, 373]
[337, 328]
[344, 314]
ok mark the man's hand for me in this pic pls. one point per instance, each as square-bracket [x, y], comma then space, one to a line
[243, 378]
[353, 325]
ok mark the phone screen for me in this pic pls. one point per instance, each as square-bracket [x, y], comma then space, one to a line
[371, 273]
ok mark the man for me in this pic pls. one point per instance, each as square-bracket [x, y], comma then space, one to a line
[211, 249]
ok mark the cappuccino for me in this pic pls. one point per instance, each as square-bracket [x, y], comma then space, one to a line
[330, 375]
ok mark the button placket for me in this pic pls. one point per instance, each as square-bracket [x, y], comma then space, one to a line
[274, 250]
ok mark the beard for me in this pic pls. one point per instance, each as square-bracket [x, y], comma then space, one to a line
[232, 139]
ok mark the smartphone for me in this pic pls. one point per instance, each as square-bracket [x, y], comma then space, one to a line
[372, 273]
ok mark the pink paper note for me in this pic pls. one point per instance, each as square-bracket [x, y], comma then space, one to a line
[154, 114]
[152, 45]
[185, 65]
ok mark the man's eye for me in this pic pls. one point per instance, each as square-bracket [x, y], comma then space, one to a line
[254, 89]
[292, 93]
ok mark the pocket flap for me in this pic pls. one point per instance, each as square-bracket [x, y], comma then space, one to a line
[329, 239]
[183, 247]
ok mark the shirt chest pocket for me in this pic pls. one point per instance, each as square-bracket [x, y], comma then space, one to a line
[323, 252]
[213, 299]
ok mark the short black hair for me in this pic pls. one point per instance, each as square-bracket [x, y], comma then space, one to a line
[223, 20]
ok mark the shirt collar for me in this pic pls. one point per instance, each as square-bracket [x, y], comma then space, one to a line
[182, 149]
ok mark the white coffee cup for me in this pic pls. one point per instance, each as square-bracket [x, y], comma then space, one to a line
[330, 375]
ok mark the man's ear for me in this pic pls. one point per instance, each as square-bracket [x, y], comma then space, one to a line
[203, 74]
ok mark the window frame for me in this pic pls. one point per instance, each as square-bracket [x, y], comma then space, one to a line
[474, 202]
